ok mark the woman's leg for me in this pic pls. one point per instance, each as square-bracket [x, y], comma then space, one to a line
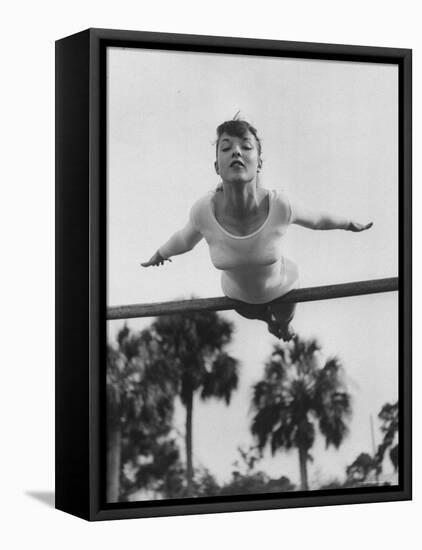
[279, 316]
[276, 315]
[250, 311]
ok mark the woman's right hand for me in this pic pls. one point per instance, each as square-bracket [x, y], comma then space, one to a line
[156, 259]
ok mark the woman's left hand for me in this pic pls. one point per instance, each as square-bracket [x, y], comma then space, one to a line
[355, 227]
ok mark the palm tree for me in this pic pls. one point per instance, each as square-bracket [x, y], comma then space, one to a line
[389, 416]
[294, 395]
[358, 472]
[140, 399]
[194, 345]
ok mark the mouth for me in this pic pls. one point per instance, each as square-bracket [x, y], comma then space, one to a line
[237, 163]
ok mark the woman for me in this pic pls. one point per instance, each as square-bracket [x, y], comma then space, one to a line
[244, 225]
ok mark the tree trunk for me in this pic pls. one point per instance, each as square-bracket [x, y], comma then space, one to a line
[189, 467]
[113, 462]
[303, 459]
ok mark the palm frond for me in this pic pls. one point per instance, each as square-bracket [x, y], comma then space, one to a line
[263, 424]
[222, 379]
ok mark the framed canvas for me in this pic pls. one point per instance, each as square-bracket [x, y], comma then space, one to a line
[282, 172]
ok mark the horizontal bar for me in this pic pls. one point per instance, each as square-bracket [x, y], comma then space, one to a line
[310, 294]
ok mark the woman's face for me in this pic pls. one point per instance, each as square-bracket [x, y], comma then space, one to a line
[237, 158]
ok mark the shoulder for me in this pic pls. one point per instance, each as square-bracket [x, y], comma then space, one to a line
[281, 204]
[281, 196]
[203, 202]
[201, 208]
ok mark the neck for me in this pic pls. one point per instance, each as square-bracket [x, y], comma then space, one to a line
[241, 198]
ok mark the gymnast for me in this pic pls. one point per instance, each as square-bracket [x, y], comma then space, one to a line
[244, 225]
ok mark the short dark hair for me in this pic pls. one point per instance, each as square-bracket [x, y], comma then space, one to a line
[237, 128]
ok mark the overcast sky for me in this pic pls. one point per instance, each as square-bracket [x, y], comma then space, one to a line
[329, 134]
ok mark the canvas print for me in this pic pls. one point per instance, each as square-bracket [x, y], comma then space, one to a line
[249, 177]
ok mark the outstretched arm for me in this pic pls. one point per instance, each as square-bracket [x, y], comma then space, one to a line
[314, 219]
[182, 241]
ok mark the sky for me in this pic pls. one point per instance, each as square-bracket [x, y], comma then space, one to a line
[329, 136]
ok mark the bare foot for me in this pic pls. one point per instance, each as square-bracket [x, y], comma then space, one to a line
[281, 331]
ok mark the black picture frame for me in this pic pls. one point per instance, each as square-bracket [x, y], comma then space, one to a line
[81, 271]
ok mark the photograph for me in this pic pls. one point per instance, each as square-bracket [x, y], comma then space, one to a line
[249, 178]
[213, 211]
[211, 237]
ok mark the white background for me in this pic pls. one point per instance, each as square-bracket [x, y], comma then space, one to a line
[27, 289]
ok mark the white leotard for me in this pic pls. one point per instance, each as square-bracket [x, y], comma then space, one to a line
[253, 267]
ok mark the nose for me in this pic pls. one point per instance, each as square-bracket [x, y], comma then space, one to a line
[236, 151]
